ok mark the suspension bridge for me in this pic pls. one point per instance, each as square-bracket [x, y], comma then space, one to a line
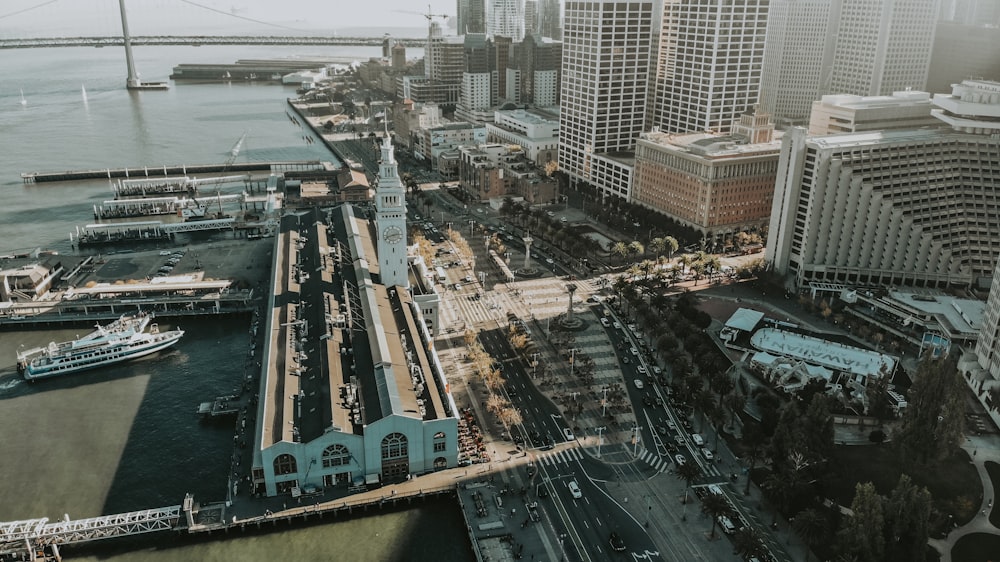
[199, 40]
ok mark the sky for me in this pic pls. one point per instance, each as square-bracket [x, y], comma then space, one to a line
[55, 18]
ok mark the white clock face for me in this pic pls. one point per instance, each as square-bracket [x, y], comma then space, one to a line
[392, 235]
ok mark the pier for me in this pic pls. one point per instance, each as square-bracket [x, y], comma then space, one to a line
[174, 170]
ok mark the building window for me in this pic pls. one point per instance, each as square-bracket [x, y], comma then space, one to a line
[285, 464]
[335, 455]
[440, 444]
[394, 446]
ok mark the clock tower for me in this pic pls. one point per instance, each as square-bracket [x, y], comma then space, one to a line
[390, 219]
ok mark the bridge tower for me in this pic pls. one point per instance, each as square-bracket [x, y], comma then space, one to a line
[133, 82]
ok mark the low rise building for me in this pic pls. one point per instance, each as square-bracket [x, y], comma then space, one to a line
[842, 113]
[432, 142]
[536, 132]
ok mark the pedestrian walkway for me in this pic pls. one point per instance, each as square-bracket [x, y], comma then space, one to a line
[566, 456]
[981, 449]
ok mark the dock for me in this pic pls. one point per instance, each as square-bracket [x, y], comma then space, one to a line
[174, 170]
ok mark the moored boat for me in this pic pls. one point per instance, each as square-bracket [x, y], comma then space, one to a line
[127, 338]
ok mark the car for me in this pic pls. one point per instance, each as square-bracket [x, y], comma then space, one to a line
[468, 279]
[574, 490]
[679, 440]
[164, 252]
[550, 261]
[617, 544]
[715, 489]
[680, 460]
[562, 220]
[626, 360]
[634, 351]
[458, 286]
[568, 434]
[698, 440]
[726, 524]
[707, 454]
[647, 400]
[657, 370]
[605, 322]
[618, 325]
[594, 298]
[641, 369]
[672, 425]
[550, 214]
[638, 384]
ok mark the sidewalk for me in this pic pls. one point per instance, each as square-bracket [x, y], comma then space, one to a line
[981, 448]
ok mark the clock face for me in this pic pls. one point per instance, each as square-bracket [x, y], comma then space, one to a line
[392, 235]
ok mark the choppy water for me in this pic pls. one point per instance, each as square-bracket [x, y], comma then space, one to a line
[127, 438]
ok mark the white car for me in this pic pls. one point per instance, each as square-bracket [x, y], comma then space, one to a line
[550, 261]
[638, 384]
[715, 489]
[697, 439]
[642, 369]
[468, 279]
[634, 351]
[568, 434]
[707, 454]
[574, 490]
[605, 322]
[618, 325]
[680, 460]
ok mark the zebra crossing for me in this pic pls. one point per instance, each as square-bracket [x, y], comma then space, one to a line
[565, 456]
[657, 462]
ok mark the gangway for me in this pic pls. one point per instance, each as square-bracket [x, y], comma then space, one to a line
[18, 536]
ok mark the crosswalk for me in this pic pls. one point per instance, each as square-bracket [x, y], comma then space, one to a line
[657, 462]
[565, 456]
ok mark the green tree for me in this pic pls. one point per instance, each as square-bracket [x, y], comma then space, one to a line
[907, 521]
[932, 426]
[688, 472]
[714, 505]
[749, 542]
[811, 525]
[861, 534]
[753, 446]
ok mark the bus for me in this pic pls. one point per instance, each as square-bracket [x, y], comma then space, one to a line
[441, 275]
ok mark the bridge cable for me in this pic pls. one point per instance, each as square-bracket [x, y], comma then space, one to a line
[28, 9]
[225, 13]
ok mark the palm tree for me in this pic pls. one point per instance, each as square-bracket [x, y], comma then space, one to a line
[714, 505]
[687, 472]
[635, 248]
[620, 249]
[748, 541]
[810, 524]
[778, 489]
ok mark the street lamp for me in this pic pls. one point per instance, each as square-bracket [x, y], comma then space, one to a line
[635, 440]
[600, 439]
[604, 402]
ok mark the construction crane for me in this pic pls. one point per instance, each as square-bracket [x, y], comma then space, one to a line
[430, 16]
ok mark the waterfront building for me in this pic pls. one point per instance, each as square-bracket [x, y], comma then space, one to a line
[536, 132]
[708, 64]
[471, 16]
[608, 46]
[718, 184]
[409, 117]
[847, 113]
[505, 18]
[860, 47]
[352, 392]
[900, 207]
[432, 142]
[533, 72]
[30, 281]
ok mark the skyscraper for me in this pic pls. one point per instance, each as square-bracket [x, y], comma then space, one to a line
[859, 47]
[471, 16]
[607, 49]
[708, 64]
[530, 17]
[505, 18]
[549, 19]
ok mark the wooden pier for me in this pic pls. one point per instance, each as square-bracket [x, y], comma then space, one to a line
[163, 171]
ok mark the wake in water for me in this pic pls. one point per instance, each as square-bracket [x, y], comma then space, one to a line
[10, 384]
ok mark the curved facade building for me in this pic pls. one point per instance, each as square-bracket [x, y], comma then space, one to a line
[918, 207]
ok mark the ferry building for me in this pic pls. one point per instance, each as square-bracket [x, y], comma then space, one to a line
[351, 389]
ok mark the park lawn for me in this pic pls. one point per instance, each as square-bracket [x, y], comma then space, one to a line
[954, 483]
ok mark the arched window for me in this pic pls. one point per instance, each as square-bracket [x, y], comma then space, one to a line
[439, 435]
[440, 463]
[394, 446]
[335, 455]
[285, 464]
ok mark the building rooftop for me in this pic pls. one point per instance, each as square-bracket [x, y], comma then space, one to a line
[712, 145]
[831, 355]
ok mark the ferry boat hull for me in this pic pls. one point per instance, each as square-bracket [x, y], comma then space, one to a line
[120, 341]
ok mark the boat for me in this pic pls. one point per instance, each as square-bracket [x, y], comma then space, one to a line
[129, 337]
[23, 101]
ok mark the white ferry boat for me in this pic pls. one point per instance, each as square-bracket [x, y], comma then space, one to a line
[124, 339]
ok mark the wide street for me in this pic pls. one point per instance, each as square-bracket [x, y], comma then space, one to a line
[615, 435]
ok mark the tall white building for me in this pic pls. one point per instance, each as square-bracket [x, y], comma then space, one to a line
[914, 207]
[800, 38]
[506, 18]
[709, 62]
[390, 220]
[608, 46]
[860, 47]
